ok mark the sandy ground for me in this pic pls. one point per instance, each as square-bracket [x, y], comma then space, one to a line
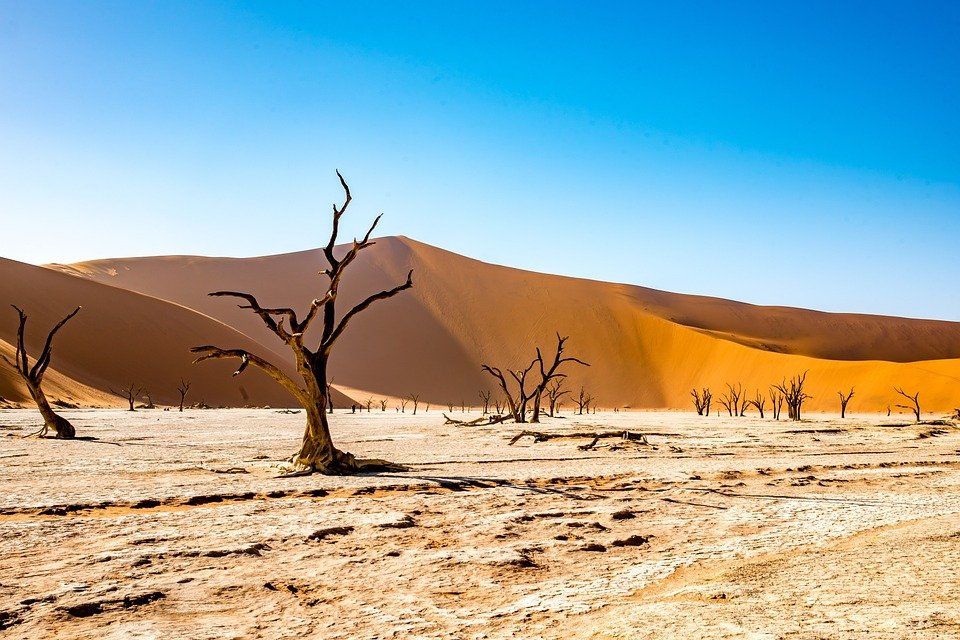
[170, 525]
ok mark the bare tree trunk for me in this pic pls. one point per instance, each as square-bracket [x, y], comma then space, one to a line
[33, 375]
[51, 420]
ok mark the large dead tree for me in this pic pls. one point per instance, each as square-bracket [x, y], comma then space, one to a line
[317, 452]
[844, 400]
[914, 402]
[33, 376]
[793, 394]
[519, 400]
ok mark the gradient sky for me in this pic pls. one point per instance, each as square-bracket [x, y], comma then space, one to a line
[803, 154]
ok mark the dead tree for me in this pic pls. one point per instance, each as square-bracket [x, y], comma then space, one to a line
[793, 395]
[415, 399]
[583, 401]
[498, 405]
[330, 396]
[403, 404]
[844, 399]
[368, 403]
[485, 396]
[914, 402]
[33, 376]
[517, 405]
[727, 402]
[182, 389]
[701, 401]
[383, 404]
[776, 401]
[555, 391]
[519, 400]
[547, 374]
[736, 400]
[129, 393]
[759, 403]
[317, 452]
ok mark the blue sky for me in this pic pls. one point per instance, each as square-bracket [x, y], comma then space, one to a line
[804, 154]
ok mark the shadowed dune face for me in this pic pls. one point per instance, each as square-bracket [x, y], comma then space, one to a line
[121, 337]
[648, 348]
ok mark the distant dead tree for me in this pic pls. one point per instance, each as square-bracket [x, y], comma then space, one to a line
[485, 396]
[793, 394]
[730, 402]
[368, 403]
[737, 399]
[317, 452]
[844, 399]
[33, 376]
[182, 389]
[519, 400]
[330, 396]
[914, 402]
[701, 401]
[554, 392]
[149, 403]
[776, 401]
[403, 404]
[758, 403]
[129, 393]
[383, 404]
[498, 405]
[415, 399]
[583, 401]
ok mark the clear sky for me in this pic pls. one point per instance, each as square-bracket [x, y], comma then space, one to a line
[798, 153]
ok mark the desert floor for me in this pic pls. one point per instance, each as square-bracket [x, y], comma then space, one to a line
[174, 525]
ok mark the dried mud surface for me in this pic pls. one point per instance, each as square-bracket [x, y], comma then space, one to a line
[174, 525]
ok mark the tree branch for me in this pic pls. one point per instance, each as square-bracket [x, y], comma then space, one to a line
[211, 352]
[265, 314]
[383, 295]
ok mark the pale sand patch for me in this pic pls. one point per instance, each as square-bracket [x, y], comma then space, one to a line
[173, 525]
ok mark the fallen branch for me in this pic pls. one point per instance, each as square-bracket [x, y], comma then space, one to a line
[539, 436]
[476, 421]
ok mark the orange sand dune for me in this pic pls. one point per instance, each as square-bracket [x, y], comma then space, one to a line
[647, 348]
[121, 337]
[56, 386]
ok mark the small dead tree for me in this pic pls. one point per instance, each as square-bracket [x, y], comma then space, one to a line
[415, 399]
[776, 401]
[555, 391]
[498, 405]
[844, 399]
[403, 404]
[317, 452]
[182, 389]
[383, 404]
[583, 401]
[914, 405]
[129, 393]
[368, 403]
[519, 400]
[33, 376]
[701, 401]
[728, 403]
[485, 396]
[736, 399]
[330, 396]
[759, 403]
[793, 394]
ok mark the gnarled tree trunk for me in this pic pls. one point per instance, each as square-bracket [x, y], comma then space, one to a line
[317, 452]
[33, 377]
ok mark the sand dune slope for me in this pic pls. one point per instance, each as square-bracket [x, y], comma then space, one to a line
[647, 348]
[121, 337]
